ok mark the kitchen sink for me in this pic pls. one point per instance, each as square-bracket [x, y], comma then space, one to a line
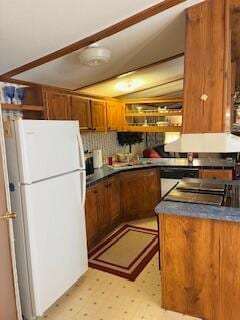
[120, 165]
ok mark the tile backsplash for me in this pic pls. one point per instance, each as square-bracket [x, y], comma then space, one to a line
[108, 143]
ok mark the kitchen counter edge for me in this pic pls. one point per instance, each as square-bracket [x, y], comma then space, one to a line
[106, 171]
[200, 210]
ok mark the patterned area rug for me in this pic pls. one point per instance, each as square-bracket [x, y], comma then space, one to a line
[126, 252]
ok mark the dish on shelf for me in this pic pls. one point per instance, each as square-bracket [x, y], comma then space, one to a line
[162, 123]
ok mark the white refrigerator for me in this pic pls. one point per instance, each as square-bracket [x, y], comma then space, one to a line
[48, 186]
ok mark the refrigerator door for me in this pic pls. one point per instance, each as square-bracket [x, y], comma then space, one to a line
[47, 148]
[56, 237]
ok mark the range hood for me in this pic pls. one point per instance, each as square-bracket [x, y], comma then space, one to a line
[205, 142]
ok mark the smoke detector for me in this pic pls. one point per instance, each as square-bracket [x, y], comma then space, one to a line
[94, 56]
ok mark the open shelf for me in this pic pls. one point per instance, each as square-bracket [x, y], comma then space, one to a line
[150, 128]
[153, 114]
[22, 107]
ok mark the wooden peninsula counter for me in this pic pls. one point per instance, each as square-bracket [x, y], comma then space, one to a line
[200, 258]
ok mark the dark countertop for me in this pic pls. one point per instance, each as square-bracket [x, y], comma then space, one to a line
[200, 210]
[106, 171]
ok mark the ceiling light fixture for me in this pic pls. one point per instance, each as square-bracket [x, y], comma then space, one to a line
[94, 56]
[126, 74]
[126, 86]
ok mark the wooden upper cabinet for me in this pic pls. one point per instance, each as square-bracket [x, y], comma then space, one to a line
[80, 110]
[114, 116]
[98, 111]
[207, 68]
[57, 105]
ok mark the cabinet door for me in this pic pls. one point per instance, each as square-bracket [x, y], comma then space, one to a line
[189, 249]
[103, 211]
[91, 211]
[216, 174]
[229, 273]
[140, 193]
[151, 193]
[98, 110]
[114, 200]
[80, 110]
[114, 116]
[57, 105]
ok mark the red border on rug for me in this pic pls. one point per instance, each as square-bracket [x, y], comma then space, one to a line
[133, 275]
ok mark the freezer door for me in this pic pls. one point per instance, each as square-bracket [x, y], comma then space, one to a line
[47, 148]
[56, 236]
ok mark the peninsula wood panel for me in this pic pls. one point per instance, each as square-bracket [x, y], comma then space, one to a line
[80, 110]
[230, 271]
[207, 68]
[189, 250]
[216, 174]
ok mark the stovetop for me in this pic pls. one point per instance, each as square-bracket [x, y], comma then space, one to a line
[201, 186]
[205, 193]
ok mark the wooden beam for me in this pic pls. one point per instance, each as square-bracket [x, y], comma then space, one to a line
[179, 55]
[107, 32]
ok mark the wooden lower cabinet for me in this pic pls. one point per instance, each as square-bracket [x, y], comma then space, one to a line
[216, 174]
[114, 200]
[103, 212]
[140, 193]
[102, 209]
[91, 209]
[200, 267]
[122, 197]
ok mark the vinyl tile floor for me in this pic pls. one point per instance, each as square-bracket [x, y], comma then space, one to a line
[102, 296]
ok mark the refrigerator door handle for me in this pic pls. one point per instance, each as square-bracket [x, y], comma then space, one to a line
[83, 189]
[81, 151]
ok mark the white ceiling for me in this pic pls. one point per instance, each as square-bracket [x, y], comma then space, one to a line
[152, 76]
[171, 89]
[31, 29]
